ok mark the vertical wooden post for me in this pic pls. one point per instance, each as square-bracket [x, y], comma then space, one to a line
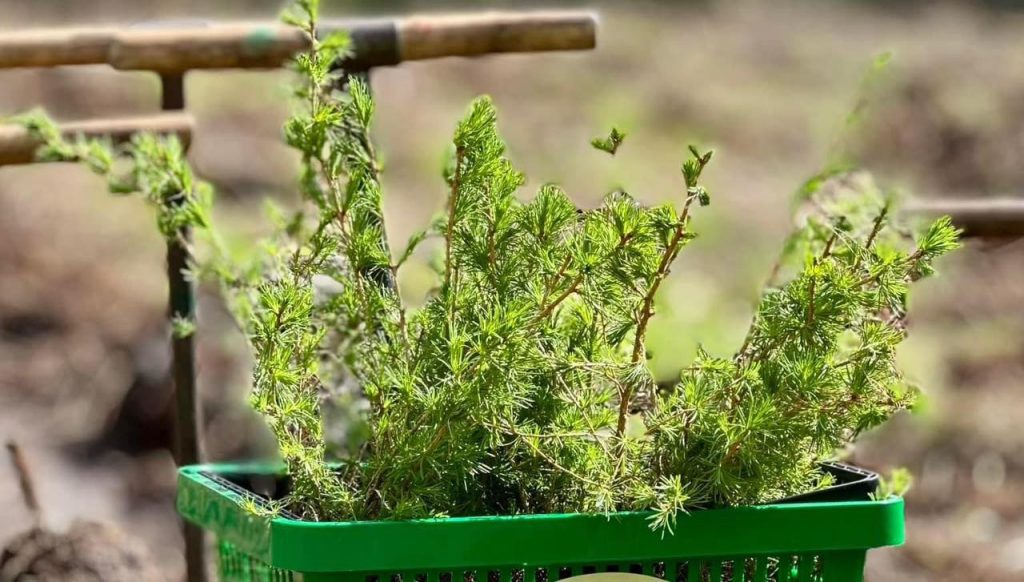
[182, 305]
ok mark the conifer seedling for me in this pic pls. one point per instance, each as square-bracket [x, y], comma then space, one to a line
[522, 384]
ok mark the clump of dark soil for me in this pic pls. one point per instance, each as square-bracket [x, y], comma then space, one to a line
[87, 552]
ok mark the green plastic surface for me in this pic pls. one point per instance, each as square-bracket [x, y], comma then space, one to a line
[812, 542]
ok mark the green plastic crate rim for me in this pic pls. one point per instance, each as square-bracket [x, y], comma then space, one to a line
[830, 540]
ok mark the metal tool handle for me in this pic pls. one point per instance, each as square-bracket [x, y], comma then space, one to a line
[255, 46]
[17, 146]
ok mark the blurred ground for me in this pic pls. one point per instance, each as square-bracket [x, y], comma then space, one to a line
[83, 367]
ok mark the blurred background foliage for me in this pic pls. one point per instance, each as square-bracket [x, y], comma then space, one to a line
[84, 382]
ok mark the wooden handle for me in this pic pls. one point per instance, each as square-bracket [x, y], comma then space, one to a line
[17, 146]
[979, 218]
[479, 34]
[51, 48]
[216, 47]
[177, 49]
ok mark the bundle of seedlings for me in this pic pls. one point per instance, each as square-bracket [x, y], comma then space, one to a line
[522, 384]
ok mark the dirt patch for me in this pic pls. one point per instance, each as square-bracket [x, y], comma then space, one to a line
[87, 552]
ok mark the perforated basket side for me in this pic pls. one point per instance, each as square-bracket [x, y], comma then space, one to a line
[810, 542]
[235, 566]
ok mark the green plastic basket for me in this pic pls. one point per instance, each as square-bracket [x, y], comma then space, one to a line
[804, 542]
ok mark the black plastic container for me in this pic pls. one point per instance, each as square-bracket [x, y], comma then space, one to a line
[851, 484]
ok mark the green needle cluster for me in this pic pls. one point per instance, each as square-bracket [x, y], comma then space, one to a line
[522, 385]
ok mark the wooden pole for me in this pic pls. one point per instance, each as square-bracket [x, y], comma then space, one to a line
[182, 305]
[53, 47]
[17, 146]
[429, 37]
[988, 218]
[261, 45]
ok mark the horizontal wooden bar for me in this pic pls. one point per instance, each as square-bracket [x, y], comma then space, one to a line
[52, 47]
[173, 50]
[979, 218]
[17, 146]
[179, 48]
[479, 34]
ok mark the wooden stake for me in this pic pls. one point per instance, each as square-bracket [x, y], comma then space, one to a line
[25, 483]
